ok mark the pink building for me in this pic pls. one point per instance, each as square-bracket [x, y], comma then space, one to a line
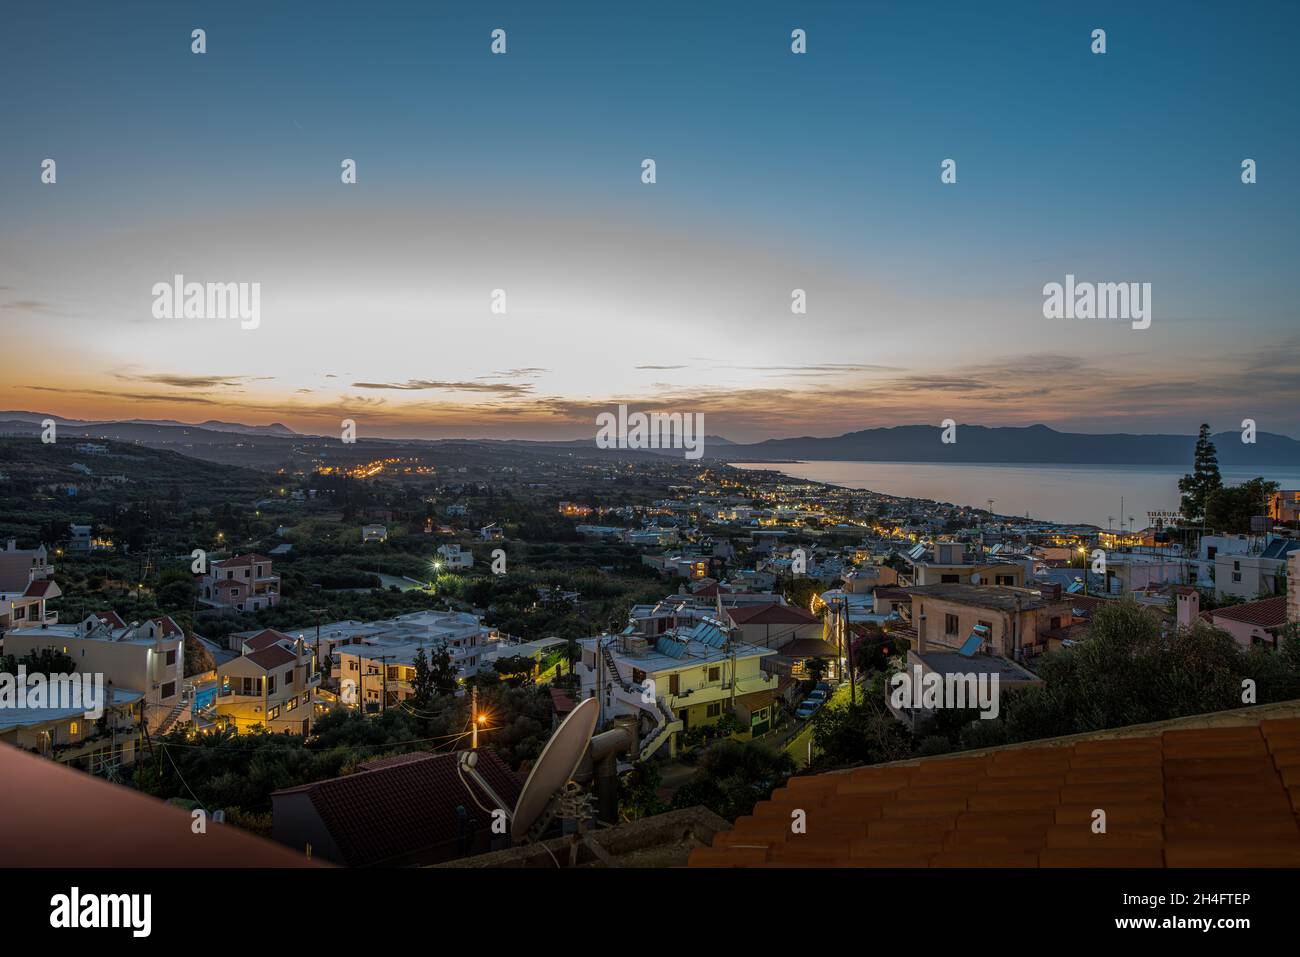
[244, 583]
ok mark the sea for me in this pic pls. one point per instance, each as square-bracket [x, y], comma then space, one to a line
[1101, 495]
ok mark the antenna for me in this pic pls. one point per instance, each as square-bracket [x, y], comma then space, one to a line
[553, 770]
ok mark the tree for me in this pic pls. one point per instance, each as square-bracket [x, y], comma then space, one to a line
[800, 591]
[46, 661]
[865, 735]
[515, 670]
[732, 776]
[442, 671]
[1230, 509]
[1204, 480]
[423, 689]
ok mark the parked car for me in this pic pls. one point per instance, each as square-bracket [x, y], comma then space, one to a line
[808, 708]
[818, 695]
[825, 686]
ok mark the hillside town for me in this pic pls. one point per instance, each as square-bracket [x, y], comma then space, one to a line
[711, 614]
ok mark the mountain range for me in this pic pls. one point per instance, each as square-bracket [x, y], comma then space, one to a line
[1034, 444]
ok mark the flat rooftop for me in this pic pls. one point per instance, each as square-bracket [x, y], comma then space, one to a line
[954, 662]
[996, 597]
[694, 653]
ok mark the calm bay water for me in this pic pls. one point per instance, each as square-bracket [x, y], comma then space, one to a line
[1058, 493]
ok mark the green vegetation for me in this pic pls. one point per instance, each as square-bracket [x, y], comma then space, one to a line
[238, 772]
[732, 776]
[1132, 669]
[1204, 479]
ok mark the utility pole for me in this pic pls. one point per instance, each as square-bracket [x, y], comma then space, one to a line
[600, 682]
[732, 650]
[473, 717]
[848, 647]
[317, 612]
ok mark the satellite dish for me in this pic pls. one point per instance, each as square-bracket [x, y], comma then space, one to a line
[558, 763]
[975, 578]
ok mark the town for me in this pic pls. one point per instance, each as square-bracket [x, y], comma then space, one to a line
[280, 644]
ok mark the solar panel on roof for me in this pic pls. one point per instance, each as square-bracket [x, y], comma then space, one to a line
[670, 647]
[916, 551]
[710, 632]
[979, 634]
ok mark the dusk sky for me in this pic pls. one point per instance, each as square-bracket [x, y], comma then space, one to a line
[775, 171]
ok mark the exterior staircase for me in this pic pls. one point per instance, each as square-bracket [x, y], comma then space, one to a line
[665, 721]
[167, 722]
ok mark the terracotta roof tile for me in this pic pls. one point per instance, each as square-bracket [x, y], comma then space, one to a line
[1267, 612]
[405, 808]
[1199, 797]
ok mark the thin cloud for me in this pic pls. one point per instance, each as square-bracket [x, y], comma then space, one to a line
[420, 385]
[192, 381]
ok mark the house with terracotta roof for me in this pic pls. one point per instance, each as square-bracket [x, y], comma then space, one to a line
[1252, 622]
[26, 584]
[242, 583]
[772, 625]
[26, 608]
[410, 809]
[274, 684]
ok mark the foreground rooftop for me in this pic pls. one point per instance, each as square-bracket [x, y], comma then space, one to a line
[1219, 790]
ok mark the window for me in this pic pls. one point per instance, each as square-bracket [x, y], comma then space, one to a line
[1008, 580]
[169, 689]
[292, 705]
[714, 710]
[273, 713]
[715, 674]
[270, 684]
[950, 579]
[1236, 576]
[170, 658]
[72, 727]
[288, 677]
[950, 624]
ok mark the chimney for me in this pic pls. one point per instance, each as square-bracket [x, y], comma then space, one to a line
[1189, 607]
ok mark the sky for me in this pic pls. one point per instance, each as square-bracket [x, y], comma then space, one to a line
[775, 171]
